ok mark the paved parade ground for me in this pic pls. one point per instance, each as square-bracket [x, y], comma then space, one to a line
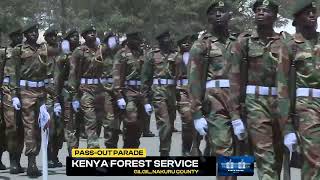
[152, 150]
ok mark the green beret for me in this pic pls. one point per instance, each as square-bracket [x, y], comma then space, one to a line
[50, 31]
[163, 34]
[71, 32]
[30, 26]
[216, 3]
[183, 38]
[88, 29]
[274, 5]
[300, 5]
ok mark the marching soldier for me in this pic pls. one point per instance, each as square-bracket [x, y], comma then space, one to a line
[209, 82]
[158, 79]
[253, 77]
[127, 83]
[299, 85]
[30, 64]
[183, 99]
[62, 69]
[54, 107]
[86, 68]
[112, 123]
[12, 118]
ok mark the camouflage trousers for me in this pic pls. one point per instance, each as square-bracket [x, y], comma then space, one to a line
[56, 133]
[108, 115]
[3, 140]
[31, 100]
[188, 130]
[13, 124]
[265, 135]
[308, 111]
[92, 98]
[164, 102]
[145, 125]
[135, 117]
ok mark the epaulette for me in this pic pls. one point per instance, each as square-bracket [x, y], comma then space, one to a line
[155, 50]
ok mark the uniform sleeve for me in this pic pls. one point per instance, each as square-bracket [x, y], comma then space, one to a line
[119, 74]
[74, 75]
[15, 78]
[147, 77]
[283, 89]
[196, 76]
[236, 57]
[3, 57]
[58, 75]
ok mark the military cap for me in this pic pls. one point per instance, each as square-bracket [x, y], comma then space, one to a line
[182, 38]
[88, 29]
[51, 31]
[163, 34]
[30, 26]
[301, 5]
[70, 32]
[274, 5]
[133, 35]
[216, 3]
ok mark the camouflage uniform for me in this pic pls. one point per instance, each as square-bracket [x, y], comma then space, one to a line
[111, 125]
[56, 135]
[304, 55]
[31, 69]
[261, 99]
[71, 131]
[86, 67]
[209, 83]
[127, 82]
[158, 79]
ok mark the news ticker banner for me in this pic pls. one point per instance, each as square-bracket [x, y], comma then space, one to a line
[135, 162]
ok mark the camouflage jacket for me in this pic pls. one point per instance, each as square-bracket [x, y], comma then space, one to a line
[127, 66]
[157, 65]
[5, 56]
[262, 64]
[29, 63]
[182, 64]
[208, 61]
[108, 66]
[84, 63]
[305, 55]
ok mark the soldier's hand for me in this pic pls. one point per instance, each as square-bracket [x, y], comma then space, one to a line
[148, 108]
[239, 129]
[57, 109]
[201, 126]
[76, 105]
[16, 103]
[290, 140]
[121, 103]
[44, 117]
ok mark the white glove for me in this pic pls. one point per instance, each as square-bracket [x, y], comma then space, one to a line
[57, 109]
[238, 129]
[290, 140]
[98, 41]
[16, 103]
[148, 109]
[76, 105]
[65, 46]
[201, 126]
[121, 103]
[44, 116]
[112, 42]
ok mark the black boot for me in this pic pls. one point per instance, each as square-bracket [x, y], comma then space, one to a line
[20, 169]
[148, 134]
[50, 157]
[33, 171]
[56, 161]
[14, 166]
[164, 153]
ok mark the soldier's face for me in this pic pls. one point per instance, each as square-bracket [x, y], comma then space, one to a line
[16, 38]
[135, 43]
[219, 17]
[32, 35]
[307, 18]
[264, 16]
[185, 46]
[165, 41]
[52, 39]
[74, 38]
[91, 36]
